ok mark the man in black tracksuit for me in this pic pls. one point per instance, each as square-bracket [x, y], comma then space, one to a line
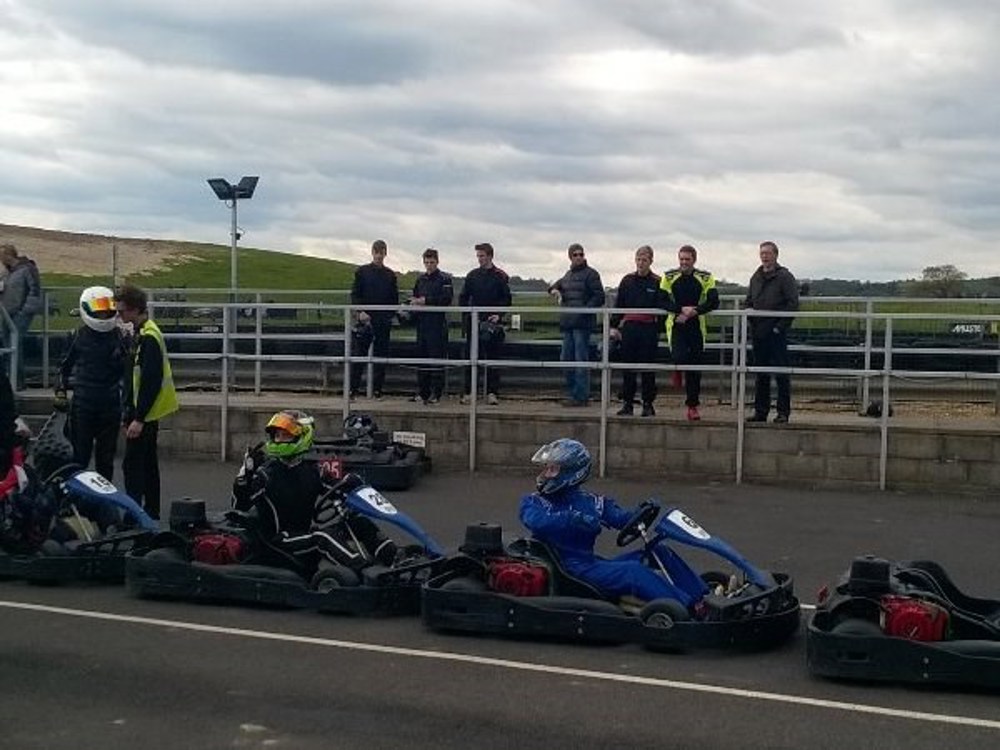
[486, 286]
[691, 295]
[93, 367]
[374, 284]
[434, 288]
[639, 332]
[772, 287]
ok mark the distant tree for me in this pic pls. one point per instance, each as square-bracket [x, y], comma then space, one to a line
[937, 281]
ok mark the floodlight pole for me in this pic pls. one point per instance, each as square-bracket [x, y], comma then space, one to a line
[233, 277]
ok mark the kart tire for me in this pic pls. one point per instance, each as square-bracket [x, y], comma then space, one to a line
[663, 614]
[856, 626]
[464, 584]
[331, 577]
[166, 554]
[52, 548]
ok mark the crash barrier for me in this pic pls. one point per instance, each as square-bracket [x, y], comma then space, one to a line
[742, 452]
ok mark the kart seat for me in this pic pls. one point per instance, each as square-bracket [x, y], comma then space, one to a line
[564, 583]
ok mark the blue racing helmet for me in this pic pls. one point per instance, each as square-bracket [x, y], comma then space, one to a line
[566, 464]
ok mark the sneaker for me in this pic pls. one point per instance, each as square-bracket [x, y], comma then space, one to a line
[757, 418]
[466, 398]
[677, 379]
[491, 399]
[417, 399]
[781, 419]
[627, 410]
[692, 414]
[648, 410]
[432, 400]
[377, 394]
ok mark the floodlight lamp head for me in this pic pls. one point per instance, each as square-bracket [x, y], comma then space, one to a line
[246, 187]
[222, 189]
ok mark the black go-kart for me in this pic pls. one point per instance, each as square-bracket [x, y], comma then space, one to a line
[522, 589]
[904, 622]
[67, 523]
[227, 561]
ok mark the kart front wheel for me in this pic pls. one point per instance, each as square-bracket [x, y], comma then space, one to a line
[663, 614]
[331, 577]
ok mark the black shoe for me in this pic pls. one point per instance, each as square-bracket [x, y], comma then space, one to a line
[648, 410]
[432, 400]
[377, 394]
[781, 419]
[626, 410]
[757, 418]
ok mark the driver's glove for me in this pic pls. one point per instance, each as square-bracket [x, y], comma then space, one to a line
[61, 400]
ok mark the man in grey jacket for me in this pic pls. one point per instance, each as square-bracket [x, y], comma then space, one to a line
[772, 287]
[579, 287]
[21, 297]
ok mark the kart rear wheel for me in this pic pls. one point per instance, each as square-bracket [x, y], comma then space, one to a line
[856, 626]
[663, 614]
[464, 584]
[331, 577]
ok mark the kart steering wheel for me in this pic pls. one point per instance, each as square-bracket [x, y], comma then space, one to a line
[644, 516]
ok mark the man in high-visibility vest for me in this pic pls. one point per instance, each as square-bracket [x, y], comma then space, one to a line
[149, 397]
[691, 295]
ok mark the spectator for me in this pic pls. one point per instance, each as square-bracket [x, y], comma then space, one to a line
[95, 362]
[691, 295]
[149, 397]
[21, 298]
[580, 286]
[434, 288]
[485, 286]
[374, 284]
[772, 287]
[639, 333]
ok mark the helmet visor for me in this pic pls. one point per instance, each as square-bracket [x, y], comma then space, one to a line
[284, 423]
[101, 308]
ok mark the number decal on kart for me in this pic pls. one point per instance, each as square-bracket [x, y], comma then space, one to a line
[95, 483]
[332, 468]
[377, 500]
[678, 518]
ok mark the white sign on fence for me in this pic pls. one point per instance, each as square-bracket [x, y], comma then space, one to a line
[414, 439]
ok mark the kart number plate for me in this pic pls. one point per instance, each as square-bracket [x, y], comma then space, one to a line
[95, 483]
[677, 518]
[377, 500]
[332, 468]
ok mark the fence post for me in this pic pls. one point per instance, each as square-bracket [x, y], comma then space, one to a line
[257, 348]
[347, 361]
[741, 393]
[883, 457]
[605, 393]
[45, 339]
[734, 377]
[224, 386]
[473, 384]
[866, 380]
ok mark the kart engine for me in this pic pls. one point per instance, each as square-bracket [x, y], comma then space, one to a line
[517, 578]
[913, 619]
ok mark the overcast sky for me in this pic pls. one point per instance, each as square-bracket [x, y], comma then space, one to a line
[863, 137]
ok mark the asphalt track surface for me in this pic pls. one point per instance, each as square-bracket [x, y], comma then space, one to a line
[89, 667]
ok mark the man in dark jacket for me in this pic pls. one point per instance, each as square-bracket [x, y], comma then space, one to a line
[690, 296]
[21, 297]
[639, 333]
[485, 286]
[433, 288]
[772, 287]
[93, 367]
[374, 284]
[580, 286]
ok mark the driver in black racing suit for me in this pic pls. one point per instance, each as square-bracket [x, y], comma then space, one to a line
[298, 511]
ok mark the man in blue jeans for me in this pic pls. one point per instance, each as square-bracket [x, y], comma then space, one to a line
[579, 287]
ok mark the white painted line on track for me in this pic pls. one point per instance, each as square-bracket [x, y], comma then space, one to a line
[693, 687]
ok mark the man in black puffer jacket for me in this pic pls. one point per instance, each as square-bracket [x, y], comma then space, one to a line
[579, 287]
[94, 367]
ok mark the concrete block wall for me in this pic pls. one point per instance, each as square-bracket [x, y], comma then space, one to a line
[813, 456]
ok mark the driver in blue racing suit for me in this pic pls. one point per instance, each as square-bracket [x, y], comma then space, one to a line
[569, 519]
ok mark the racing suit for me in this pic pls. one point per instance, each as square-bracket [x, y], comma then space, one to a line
[284, 495]
[570, 521]
[96, 363]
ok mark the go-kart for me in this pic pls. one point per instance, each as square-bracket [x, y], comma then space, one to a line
[383, 463]
[228, 560]
[69, 524]
[904, 622]
[523, 590]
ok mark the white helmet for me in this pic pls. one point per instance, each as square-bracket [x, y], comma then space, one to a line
[97, 308]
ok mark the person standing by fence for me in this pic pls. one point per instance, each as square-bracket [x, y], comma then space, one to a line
[21, 298]
[639, 333]
[434, 288]
[580, 286]
[374, 284]
[485, 286]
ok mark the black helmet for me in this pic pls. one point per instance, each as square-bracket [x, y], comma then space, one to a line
[490, 333]
[359, 426]
[362, 336]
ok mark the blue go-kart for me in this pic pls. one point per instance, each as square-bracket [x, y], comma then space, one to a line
[69, 523]
[249, 570]
[522, 589]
